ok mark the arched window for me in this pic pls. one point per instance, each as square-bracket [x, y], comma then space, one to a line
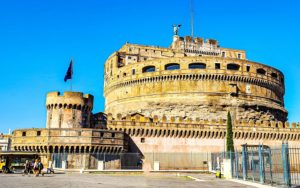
[172, 66]
[274, 75]
[232, 66]
[150, 68]
[197, 66]
[260, 71]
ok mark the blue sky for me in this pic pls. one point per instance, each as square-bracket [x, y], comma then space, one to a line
[38, 38]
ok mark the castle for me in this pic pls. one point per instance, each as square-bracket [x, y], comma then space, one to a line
[166, 100]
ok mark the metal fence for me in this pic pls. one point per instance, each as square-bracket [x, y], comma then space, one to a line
[259, 163]
[180, 161]
[107, 161]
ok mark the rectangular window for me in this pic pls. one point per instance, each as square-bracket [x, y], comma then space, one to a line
[38, 133]
[142, 140]
[129, 57]
[217, 66]
[24, 133]
[73, 114]
[239, 56]
[101, 134]
[133, 71]
[248, 68]
[113, 135]
[223, 54]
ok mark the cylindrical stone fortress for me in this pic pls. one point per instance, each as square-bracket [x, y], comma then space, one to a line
[192, 79]
[70, 110]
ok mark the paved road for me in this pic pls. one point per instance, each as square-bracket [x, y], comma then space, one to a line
[75, 180]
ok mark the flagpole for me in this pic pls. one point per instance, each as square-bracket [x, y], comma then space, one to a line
[72, 72]
[71, 83]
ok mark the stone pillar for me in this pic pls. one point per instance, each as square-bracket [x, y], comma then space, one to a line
[227, 168]
[101, 165]
[156, 166]
[64, 164]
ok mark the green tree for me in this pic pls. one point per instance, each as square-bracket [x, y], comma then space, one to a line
[229, 135]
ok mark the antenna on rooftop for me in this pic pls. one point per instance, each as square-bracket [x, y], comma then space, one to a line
[192, 17]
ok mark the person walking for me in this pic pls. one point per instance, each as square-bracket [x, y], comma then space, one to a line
[40, 167]
[36, 168]
[27, 168]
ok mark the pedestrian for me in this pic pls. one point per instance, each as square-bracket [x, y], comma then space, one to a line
[36, 168]
[50, 169]
[27, 168]
[40, 167]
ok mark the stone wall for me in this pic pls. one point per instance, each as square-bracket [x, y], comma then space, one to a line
[254, 91]
[176, 135]
[69, 110]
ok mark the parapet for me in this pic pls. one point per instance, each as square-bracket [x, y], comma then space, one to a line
[69, 98]
[154, 121]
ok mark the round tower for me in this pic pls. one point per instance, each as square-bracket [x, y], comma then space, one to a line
[69, 110]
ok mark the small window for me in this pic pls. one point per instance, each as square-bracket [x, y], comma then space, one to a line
[239, 56]
[113, 135]
[274, 75]
[73, 114]
[172, 66]
[149, 69]
[248, 68]
[197, 66]
[223, 54]
[261, 71]
[38, 133]
[101, 134]
[124, 74]
[129, 57]
[142, 140]
[133, 71]
[24, 133]
[118, 76]
[217, 66]
[233, 66]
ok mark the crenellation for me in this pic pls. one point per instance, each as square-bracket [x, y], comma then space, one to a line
[280, 124]
[287, 125]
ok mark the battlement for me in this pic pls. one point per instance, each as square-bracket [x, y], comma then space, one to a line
[69, 98]
[140, 126]
[180, 122]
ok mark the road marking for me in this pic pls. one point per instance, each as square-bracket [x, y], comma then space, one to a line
[193, 178]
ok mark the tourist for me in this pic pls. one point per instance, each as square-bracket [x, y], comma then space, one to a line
[40, 167]
[36, 168]
[27, 168]
[50, 169]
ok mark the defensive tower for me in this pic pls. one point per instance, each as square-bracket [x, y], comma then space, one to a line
[69, 110]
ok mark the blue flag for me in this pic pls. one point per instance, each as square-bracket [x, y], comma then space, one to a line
[69, 73]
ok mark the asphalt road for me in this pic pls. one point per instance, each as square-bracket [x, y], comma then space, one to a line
[115, 180]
